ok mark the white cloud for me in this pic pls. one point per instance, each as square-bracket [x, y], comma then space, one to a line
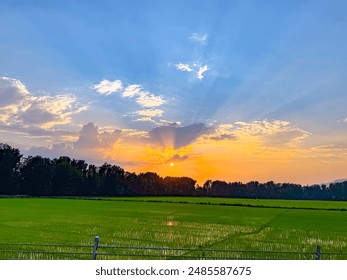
[196, 67]
[145, 119]
[18, 107]
[271, 133]
[201, 70]
[132, 90]
[107, 87]
[200, 38]
[147, 99]
[184, 67]
[48, 111]
[170, 123]
[142, 97]
[150, 112]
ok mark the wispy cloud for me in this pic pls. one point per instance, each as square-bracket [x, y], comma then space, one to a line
[200, 38]
[195, 67]
[145, 119]
[142, 97]
[147, 99]
[147, 115]
[107, 87]
[132, 90]
[201, 71]
[271, 133]
[170, 123]
[184, 67]
[150, 113]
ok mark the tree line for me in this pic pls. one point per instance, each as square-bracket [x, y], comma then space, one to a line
[63, 176]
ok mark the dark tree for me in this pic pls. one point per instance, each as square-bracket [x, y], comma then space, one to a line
[37, 174]
[67, 179]
[9, 160]
[179, 186]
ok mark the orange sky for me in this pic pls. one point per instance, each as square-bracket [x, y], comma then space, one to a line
[244, 152]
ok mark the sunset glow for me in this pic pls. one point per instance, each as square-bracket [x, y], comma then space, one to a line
[227, 90]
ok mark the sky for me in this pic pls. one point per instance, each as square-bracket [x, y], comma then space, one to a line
[230, 90]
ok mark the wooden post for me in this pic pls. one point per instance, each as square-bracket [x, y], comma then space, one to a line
[318, 253]
[95, 249]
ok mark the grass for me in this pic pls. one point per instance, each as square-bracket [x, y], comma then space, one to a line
[172, 222]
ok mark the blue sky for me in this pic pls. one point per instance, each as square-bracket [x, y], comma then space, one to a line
[273, 69]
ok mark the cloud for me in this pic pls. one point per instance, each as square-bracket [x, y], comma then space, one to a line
[132, 90]
[48, 111]
[37, 116]
[21, 109]
[88, 137]
[55, 151]
[91, 145]
[147, 99]
[184, 67]
[143, 98]
[195, 67]
[145, 119]
[177, 137]
[177, 158]
[201, 70]
[107, 87]
[12, 92]
[270, 133]
[170, 123]
[200, 38]
[150, 112]
[91, 138]
[221, 137]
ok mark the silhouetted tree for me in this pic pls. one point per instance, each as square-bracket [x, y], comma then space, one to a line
[67, 180]
[36, 176]
[63, 176]
[9, 160]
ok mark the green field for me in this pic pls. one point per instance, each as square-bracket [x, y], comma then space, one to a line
[172, 222]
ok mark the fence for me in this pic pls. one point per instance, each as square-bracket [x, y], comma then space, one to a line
[99, 251]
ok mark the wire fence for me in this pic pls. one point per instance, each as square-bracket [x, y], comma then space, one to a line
[96, 251]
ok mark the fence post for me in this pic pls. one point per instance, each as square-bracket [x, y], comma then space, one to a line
[95, 249]
[318, 253]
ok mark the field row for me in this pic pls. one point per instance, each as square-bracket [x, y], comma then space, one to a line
[170, 225]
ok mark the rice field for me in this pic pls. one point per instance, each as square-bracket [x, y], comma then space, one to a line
[198, 227]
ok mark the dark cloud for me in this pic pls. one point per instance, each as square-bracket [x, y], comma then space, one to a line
[12, 91]
[177, 137]
[285, 137]
[107, 139]
[37, 132]
[55, 151]
[37, 116]
[177, 157]
[91, 138]
[88, 137]
[223, 137]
